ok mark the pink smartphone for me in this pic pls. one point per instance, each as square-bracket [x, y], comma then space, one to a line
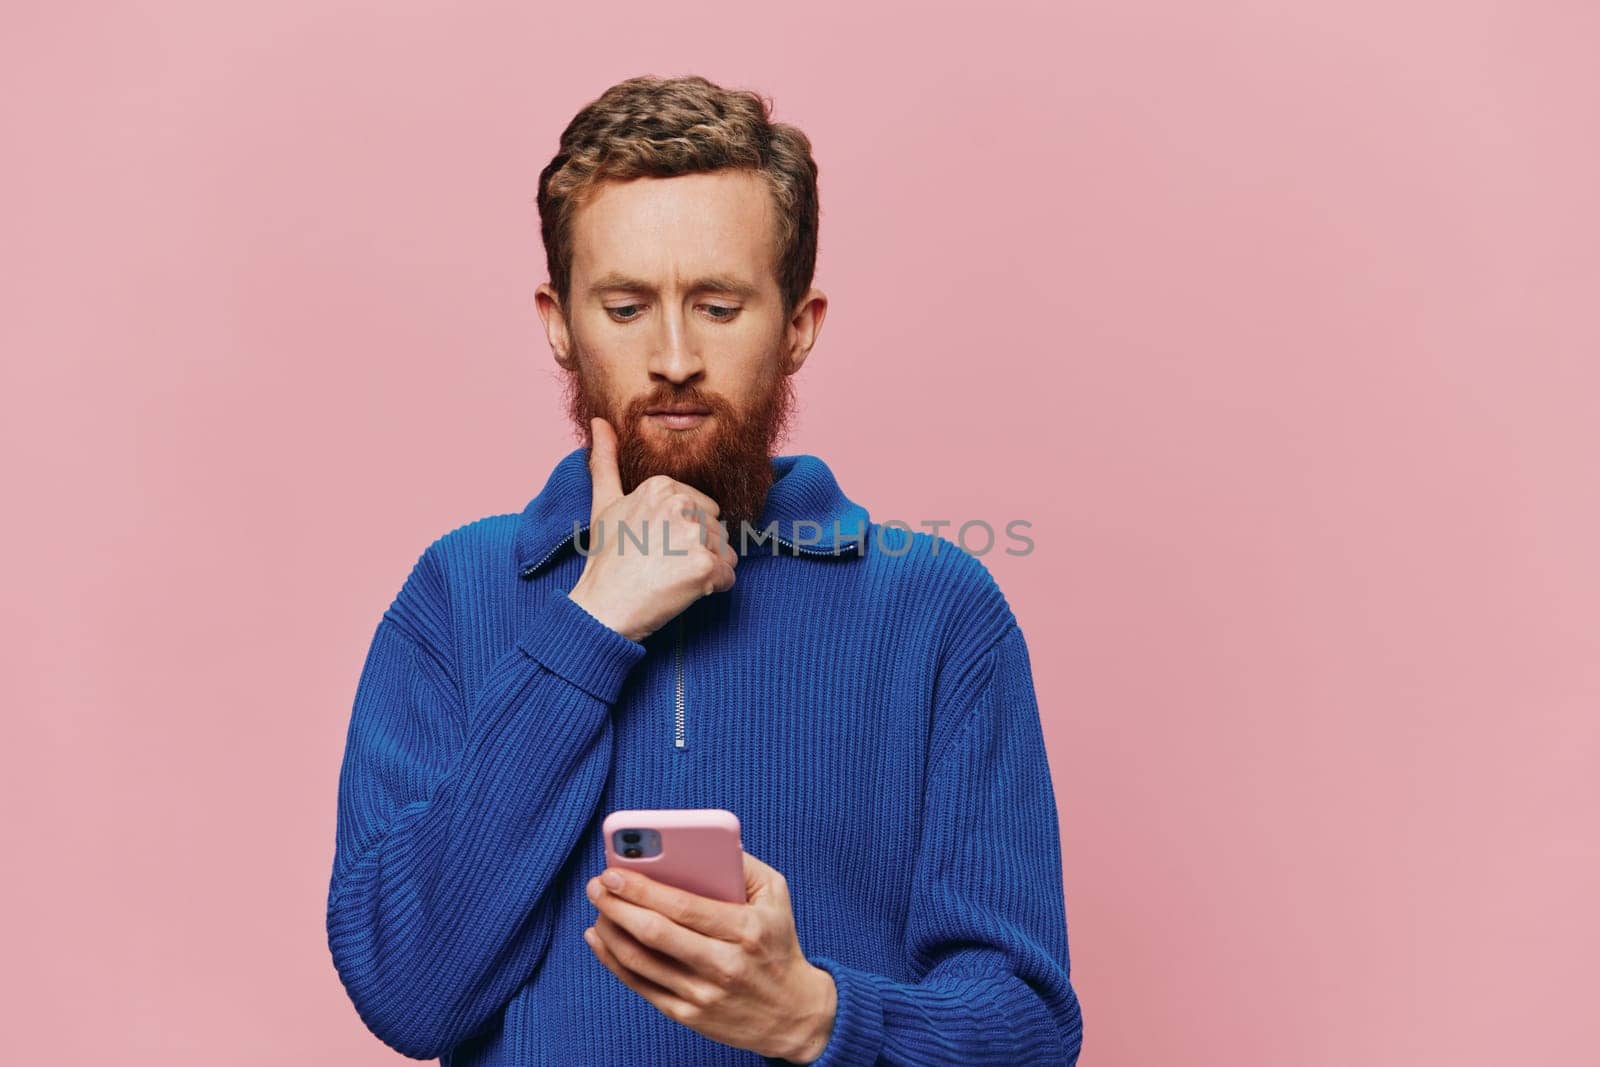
[697, 849]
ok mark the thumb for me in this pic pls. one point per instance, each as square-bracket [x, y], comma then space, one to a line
[603, 474]
[761, 881]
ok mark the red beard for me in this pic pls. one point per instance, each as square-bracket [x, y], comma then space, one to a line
[728, 457]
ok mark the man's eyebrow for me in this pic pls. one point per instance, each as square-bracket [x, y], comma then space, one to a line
[717, 283]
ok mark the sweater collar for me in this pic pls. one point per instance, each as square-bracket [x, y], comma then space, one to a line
[804, 492]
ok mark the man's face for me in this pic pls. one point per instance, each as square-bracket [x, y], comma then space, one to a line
[675, 331]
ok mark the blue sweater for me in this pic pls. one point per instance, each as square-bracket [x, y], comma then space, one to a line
[864, 704]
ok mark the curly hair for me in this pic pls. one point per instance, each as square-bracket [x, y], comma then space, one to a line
[660, 127]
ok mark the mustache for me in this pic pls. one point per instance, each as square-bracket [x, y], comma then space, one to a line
[678, 396]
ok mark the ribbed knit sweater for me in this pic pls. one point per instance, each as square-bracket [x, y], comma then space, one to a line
[864, 704]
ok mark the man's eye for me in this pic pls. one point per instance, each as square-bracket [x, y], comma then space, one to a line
[625, 313]
[720, 313]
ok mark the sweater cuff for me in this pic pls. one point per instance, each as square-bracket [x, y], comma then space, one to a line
[857, 1037]
[576, 646]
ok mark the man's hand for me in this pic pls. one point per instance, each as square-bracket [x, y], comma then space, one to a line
[733, 972]
[634, 590]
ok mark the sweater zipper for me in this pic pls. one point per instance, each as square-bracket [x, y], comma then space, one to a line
[679, 724]
[815, 550]
[678, 717]
[532, 568]
[677, 691]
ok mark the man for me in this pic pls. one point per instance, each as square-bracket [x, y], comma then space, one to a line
[859, 695]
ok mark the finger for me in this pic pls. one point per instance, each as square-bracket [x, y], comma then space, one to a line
[701, 530]
[754, 876]
[649, 964]
[701, 505]
[668, 1003]
[763, 882]
[712, 533]
[603, 474]
[681, 537]
[653, 930]
[670, 916]
[722, 577]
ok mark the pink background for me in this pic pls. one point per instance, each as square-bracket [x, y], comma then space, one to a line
[1277, 321]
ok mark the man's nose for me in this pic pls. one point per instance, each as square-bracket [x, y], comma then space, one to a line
[674, 356]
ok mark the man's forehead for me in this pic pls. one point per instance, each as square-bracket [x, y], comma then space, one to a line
[662, 230]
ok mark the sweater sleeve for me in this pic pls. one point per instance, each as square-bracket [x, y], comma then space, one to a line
[987, 921]
[453, 821]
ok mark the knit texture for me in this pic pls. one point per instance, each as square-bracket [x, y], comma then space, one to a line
[865, 706]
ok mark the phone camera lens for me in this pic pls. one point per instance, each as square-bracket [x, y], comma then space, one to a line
[630, 837]
[633, 852]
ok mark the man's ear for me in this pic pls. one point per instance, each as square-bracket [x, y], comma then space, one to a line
[805, 323]
[556, 330]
